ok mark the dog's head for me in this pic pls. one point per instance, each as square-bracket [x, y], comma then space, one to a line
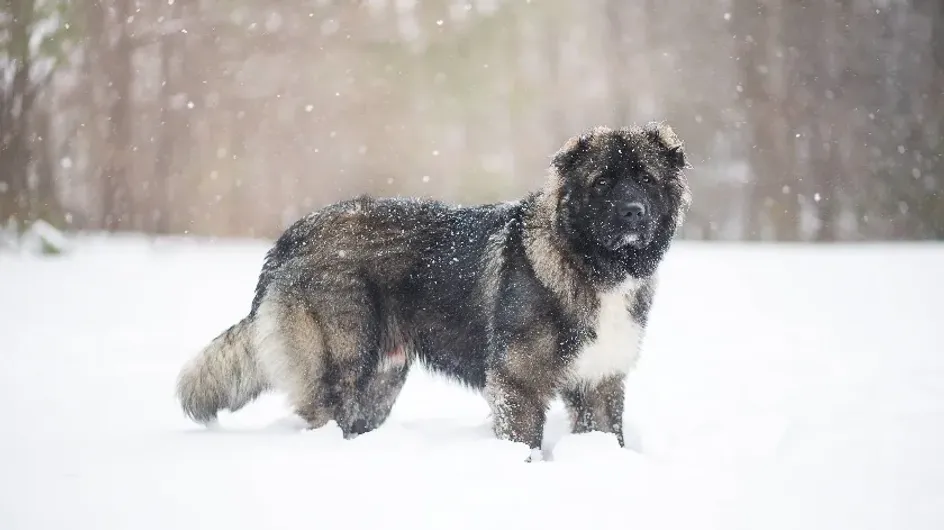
[623, 189]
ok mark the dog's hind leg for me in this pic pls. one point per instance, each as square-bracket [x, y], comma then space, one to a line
[378, 395]
[322, 351]
[291, 351]
[352, 339]
[597, 406]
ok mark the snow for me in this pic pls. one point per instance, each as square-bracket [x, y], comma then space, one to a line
[779, 387]
[42, 237]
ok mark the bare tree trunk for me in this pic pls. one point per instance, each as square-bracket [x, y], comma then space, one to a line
[554, 118]
[616, 29]
[928, 131]
[937, 107]
[90, 96]
[15, 115]
[44, 203]
[749, 27]
[164, 151]
[824, 102]
[117, 200]
[772, 207]
[173, 131]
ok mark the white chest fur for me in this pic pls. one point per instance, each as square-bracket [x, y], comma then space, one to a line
[615, 349]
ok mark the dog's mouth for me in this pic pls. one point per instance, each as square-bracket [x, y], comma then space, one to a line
[631, 239]
[635, 240]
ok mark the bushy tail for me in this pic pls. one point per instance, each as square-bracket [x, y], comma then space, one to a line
[224, 375]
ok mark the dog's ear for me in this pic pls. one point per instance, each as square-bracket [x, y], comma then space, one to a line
[673, 149]
[568, 155]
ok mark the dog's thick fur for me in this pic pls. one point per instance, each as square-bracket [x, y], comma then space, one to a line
[547, 296]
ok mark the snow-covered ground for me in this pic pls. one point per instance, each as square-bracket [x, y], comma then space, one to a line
[782, 387]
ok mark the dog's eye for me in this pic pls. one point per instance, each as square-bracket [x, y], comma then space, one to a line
[645, 179]
[601, 182]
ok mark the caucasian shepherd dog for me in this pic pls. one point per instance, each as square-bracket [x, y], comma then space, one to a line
[543, 297]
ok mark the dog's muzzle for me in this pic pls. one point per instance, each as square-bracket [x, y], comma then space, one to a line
[637, 224]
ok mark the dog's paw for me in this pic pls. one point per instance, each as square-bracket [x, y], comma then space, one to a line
[538, 455]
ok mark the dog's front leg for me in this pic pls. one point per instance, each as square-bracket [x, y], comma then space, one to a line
[518, 410]
[597, 407]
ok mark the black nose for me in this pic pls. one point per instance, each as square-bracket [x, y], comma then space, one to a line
[633, 210]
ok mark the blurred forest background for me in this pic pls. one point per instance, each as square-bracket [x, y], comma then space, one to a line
[818, 120]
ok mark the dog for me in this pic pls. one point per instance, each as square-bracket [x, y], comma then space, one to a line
[525, 301]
